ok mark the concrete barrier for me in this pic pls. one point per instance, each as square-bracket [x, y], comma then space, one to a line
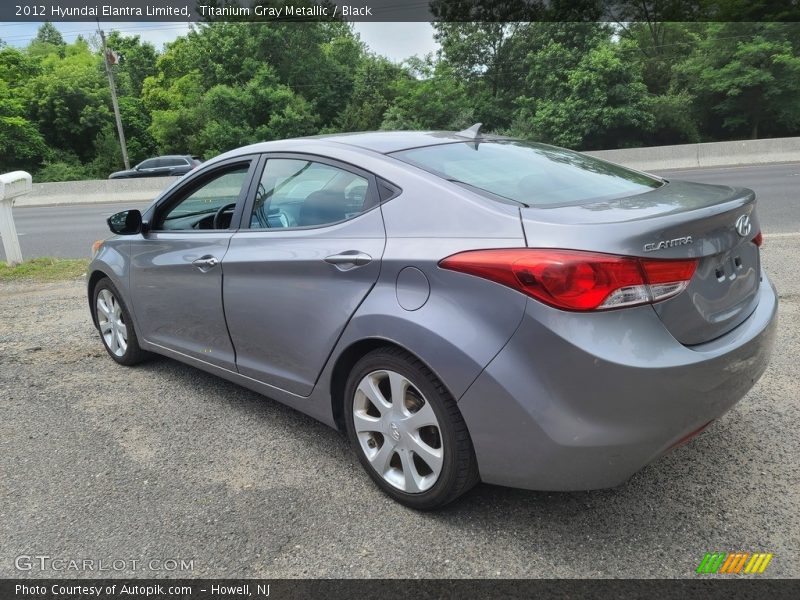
[140, 189]
[686, 156]
[711, 154]
[12, 186]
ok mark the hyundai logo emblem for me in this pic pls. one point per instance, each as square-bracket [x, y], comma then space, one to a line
[743, 226]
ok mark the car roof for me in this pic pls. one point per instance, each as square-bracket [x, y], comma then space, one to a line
[392, 141]
[383, 142]
[166, 156]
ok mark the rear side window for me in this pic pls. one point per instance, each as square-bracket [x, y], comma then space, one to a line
[533, 174]
[303, 193]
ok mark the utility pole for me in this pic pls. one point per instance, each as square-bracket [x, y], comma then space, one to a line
[114, 102]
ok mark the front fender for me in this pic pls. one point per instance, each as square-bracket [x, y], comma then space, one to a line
[110, 261]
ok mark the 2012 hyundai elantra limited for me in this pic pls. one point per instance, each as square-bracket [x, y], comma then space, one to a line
[465, 307]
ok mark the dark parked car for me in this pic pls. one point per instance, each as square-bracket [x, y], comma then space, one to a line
[160, 166]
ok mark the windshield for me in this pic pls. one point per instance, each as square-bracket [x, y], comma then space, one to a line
[533, 174]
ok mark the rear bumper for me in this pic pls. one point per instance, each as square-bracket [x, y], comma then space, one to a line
[583, 401]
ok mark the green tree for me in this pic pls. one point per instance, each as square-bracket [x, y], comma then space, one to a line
[17, 67]
[602, 103]
[476, 51]
[746, 80]
[21, 144]
[69, 100]
[435, 99]
[658, 47]
[137, 61]
[376, 84]
[48, 34]
[587, 85]
[316, 60]
[673, 121]
[48, 40]
[173, 111]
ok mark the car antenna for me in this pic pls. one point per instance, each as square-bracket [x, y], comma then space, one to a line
[472, 133]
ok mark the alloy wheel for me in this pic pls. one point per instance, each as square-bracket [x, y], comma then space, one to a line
[398, 431]
[111, 322]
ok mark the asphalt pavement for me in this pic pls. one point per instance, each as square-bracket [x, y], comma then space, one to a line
[64, 230]
[164, 462]
[776, 187]
[68, 231]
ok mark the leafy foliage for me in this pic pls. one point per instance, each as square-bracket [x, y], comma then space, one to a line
[601, 103]
[223, 85]
[749, 83]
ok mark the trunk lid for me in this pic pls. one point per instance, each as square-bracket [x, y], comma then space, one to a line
[677, 220]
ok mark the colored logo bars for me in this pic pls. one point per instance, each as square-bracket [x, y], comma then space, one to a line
[734, 562]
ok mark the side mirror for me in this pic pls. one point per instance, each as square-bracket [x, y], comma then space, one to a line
[127, 222]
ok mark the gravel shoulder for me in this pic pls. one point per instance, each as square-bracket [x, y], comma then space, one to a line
[164, 461]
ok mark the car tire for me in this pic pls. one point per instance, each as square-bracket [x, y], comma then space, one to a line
[114, 323]
[417, 450]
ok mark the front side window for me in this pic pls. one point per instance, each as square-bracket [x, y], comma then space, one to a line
[209, 206]
[533, 174]
[304, 193]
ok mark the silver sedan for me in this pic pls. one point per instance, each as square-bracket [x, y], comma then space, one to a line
[465, 307]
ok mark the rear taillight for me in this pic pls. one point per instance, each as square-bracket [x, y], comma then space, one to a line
[575, 280]
[758, 239]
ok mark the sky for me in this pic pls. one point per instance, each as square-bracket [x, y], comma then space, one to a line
[396, 41]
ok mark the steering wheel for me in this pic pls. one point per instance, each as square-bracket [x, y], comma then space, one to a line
[220, 212]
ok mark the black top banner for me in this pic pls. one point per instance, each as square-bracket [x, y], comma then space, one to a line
[400, 10]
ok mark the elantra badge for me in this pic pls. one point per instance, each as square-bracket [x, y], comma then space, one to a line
[743, 225]
[681, 241]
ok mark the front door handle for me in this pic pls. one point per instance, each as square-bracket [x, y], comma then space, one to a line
[204, 263]
[349, 259]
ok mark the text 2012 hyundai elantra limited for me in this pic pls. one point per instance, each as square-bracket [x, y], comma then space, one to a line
[465, 307]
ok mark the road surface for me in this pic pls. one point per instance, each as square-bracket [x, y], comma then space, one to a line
[69, 230]
[163, 461]
[66, 230]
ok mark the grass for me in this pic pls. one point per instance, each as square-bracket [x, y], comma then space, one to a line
[44, 269]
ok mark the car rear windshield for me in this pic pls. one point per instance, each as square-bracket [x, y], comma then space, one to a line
[533, 174]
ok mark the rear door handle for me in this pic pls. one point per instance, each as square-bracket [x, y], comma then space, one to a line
[204, 263]
[349, 259]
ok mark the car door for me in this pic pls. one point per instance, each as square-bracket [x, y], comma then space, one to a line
[162, 168]
[307, 254]
[176, 166]
[146, 168]
[176, 274]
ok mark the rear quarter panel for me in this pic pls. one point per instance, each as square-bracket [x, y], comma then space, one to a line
[466, 320]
